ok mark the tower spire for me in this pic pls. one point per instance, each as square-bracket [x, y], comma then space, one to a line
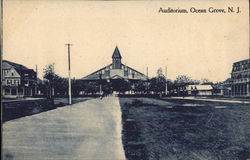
[116, 53]
[117, 64]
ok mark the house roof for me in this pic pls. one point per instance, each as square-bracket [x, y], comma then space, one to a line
[199, 87]
[8, 65]
[22, 70]
[116, 53]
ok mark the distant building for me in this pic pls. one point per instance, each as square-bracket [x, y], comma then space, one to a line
[200, 90]
[115, 78]
[222, 88]
[17, 80]
[240, 78]
[116, 70]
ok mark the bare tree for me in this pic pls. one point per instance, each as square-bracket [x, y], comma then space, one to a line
[160, 72]
[206, 81]
[181, 82]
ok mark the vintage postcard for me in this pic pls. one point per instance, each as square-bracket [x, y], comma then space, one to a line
[125, 80]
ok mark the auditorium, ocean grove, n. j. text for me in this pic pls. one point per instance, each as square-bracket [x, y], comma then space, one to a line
[228, 9]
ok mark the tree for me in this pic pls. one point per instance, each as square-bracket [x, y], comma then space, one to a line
[140, 86]
[106, 87]
[181, 82]
[77, 87]
[158, 84]
[91, 87]
[50, 76]
[60, 85]
[159, 72]
[206, 81]
[120, 85]
[170, 85]
[56, 85]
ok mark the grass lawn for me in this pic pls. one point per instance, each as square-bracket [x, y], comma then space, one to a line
[185, 130]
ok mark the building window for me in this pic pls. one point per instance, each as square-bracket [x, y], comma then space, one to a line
[26, 82]
[235, 69]
[107, 73]
[239, 76]
[5, 72]
[125, 73]
[16, 82]
[20, 90]
[7, 91]
[8, 81]
[133, 74]
[13, 92]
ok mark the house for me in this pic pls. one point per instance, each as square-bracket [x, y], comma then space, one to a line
[200, 90]
[240, 78]
[17, 80]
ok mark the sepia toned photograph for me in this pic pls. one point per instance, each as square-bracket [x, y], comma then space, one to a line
[125, 80]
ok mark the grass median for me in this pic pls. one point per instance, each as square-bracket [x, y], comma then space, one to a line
[156, 129]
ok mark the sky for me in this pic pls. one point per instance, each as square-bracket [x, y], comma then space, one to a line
[200, 45]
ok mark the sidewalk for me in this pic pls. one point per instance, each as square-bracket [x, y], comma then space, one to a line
[212, 100]
[88, 130]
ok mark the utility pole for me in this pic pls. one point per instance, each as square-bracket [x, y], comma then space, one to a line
[53, 81]
[36, 70]
[68, 45]
[147, 80]
[166, 90]
[100, 87]
[36, 81]
[166, 73]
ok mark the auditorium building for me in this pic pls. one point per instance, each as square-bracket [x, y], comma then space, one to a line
[116, 70]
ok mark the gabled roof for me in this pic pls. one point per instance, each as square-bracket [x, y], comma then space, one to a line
[15, 65]
[94, 75]
[113, 73]
[13, 73]
[116, 53]
[21, 70]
